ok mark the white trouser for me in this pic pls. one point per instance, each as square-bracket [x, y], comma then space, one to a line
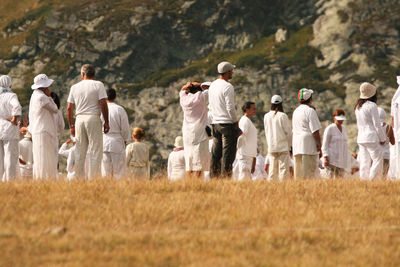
[279, 165]
[244, 167]
[370, 152]
[89, 135]
[8, 159]
[305, 166]
[44, 163]
[113, 164]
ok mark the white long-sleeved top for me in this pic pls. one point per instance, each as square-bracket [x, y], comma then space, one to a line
[395, 112]
[334, 146]
[41, 114]
[195, 116]
[59, 121]
[176, 165]
[305, 122]
[222, 102]
[119, 133]
[70, 155]
[25, 150]
[368, 123]
[9, 107]
[247, 142]
[277, 131]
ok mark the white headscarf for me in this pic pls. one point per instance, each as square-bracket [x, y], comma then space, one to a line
[5, 84]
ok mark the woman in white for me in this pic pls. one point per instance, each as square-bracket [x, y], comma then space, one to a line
[176, 161]
[59, 121]
[10, 110]
[389, 139]
[279, 140]
[247, 143]
[137, 156]
[334, 146]
[371, 135]
[43, 128]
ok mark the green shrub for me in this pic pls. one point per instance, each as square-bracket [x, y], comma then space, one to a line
[150, 116]
[343, 16]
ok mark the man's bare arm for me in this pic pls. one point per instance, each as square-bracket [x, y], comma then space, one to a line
[70, 118]
[104, 111]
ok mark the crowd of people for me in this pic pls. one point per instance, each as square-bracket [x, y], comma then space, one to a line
[215, 142]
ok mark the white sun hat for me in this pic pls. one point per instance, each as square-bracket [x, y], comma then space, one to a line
[41, 81]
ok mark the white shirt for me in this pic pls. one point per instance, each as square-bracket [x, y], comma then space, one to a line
[119, 134]
[70, 155]
[176, 165]
[305, 122]
[25, 150]
[277, 131]
[368, 123]
[41, 114]
[86, 95]
[334, 146]
[195, 116]
[247, 142]
[222, 102]
[59, 121]
[9, 107]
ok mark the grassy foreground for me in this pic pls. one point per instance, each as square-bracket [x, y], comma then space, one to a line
[106, 222]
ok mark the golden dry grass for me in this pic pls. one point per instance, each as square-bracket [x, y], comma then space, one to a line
[125, 222]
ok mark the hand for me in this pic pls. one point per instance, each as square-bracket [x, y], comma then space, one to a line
[14, 120]
[106, 127]
[326, 161]
[24, 121]
[253, 169]
[69, 141]
[72, 131]
[184, 88]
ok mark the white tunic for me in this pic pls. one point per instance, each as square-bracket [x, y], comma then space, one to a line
[41, 114]
[222, 102]
[9, 107]
[247, 142]
[277, 131]
[334, 146]
[119, 134]
[176, 165]
[305, 122]
[395, 112]
[137, 160]
[368, 123]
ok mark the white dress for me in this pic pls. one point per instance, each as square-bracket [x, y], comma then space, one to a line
[137, 160]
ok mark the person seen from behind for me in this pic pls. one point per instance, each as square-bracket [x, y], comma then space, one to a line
[137, 156]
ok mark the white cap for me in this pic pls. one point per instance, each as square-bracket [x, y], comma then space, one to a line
[41, 81]
[178, 141]
[224, 67]
[205, 84]
[382, 114]
[340, 118]
[305, 94]
[276, 99]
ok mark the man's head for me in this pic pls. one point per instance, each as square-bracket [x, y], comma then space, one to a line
[111, 95]
[249, 109]
[88, 71]
[225, 70]
[305, 96]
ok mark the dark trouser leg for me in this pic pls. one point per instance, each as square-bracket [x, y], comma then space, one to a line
[216, 152]
[229, 142]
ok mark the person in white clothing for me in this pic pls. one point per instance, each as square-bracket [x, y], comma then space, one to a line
[394, 171]
[193, 100]
[279, 139]
[306, 138]
[114, 142]
[389, 140]
[176, 161]
[69, 153]
[371, 135]
[10, 110]
[59, 121]
[266, 166]
[225, 127]
[43, 128]
[137, 156]
[247, 143]
[334, 146]
[259, 171]
[25, 156]
[89, 98]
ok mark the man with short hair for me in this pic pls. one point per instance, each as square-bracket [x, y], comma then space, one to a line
[43, 128]
[90, 100]
[10, 110]
[306, 138]
[115, 140]
[225, 126]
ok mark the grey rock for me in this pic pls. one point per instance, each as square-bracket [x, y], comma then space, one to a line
[281, 35]
[53, 20]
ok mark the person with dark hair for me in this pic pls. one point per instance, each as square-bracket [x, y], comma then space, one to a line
[335, 150]
[59, 121]
[370, 133]
[247, 143]
[306, 139]
[225, 127]
[89, 98]
[279, 140]
[114, 142]
[193, 100]
[137, 156]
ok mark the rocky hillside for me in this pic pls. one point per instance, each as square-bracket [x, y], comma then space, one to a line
[148, 49]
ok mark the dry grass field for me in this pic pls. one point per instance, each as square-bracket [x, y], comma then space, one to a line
[222, 223]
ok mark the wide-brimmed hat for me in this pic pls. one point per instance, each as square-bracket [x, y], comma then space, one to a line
[305, 94]
[367, 90]
[41, 81]
[276, 99]
[178, 141]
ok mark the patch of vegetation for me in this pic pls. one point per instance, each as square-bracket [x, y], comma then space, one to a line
[240, 79]
[346, 67]
[150, 116]
[58, 64]
[30, 16]
[343, 16]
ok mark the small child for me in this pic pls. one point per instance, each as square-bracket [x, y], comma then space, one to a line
[390, 139]
[137, 156]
